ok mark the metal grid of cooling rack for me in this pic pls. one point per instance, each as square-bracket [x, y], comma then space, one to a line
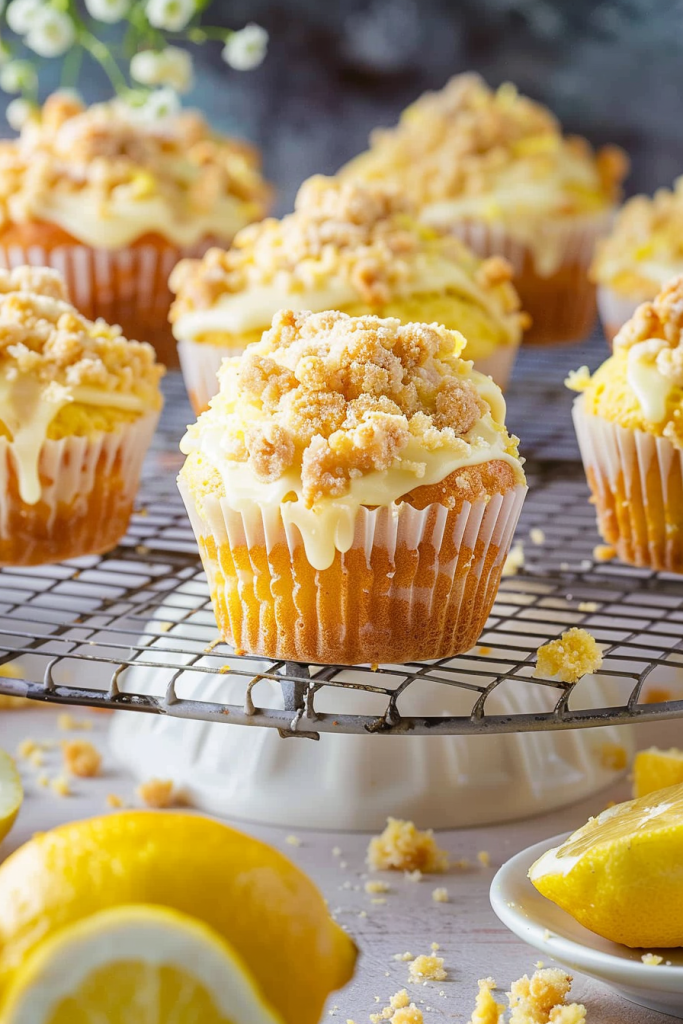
[134, 629]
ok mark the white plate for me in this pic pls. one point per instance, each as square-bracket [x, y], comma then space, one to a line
[552, 931]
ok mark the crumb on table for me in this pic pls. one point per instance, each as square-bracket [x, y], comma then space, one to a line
[374, 886]
[427, 968]
[440, 895]
[114, 801]
[157, 793]
[652, 959]
[68, 723]
[81, 758]
[403, 847]
[60, 786]
[541, 999]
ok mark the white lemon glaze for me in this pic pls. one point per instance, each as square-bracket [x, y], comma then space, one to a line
[651, 388]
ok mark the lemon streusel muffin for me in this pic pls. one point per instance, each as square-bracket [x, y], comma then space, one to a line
[643, 251]
[114, 203]
[629, 421]
[353, 490]
[352, 247]
[495, 168]
[78, 407]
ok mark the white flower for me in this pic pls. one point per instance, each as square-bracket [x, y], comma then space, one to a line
[18, 113]
[172, 15]
[156, 106]
[110, 11]
[171, 67]
[51, 33]
[246, 49]
[18, 76]
[21, 14]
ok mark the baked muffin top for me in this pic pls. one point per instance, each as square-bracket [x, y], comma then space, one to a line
[347, 244]
[108, 179]
[470, 151]
[641, 386]
[53, 360]
[645, 247]
[328, 413]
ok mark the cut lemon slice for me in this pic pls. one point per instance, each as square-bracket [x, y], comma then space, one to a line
[655, 769]
[621, 875]
[11, 793]
[136, 964]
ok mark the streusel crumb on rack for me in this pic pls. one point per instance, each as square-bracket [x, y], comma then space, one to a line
[572, 656]
[366, 235]
[403, 847]
[337, 397]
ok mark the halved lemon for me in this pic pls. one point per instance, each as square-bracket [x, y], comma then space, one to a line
[621, 875]
[136, 964]
[655, 769]
[11, 793]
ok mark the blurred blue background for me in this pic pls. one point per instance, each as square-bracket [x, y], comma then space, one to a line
[612, 71]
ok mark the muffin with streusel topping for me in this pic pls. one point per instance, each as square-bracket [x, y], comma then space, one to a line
[353, 490]
[629, 422]
[643, 251]
[78, 408]
[495, 168]
[113, 203]
[351, 247]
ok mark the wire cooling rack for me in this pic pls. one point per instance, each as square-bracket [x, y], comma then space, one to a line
[134, 629]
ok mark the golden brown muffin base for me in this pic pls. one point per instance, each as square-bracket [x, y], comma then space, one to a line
[562, 307]
[120, 301]
[412, 604]
[89, 525]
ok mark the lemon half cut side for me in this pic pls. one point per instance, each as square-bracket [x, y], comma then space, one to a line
[136, 964]
[621, 874]
[11, 793]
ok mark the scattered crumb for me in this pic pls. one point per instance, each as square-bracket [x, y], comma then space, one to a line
[652, 959]
[114, 801]
[336, 851]
[404, 957]
[484, 858]
[539, 965]
[614, 756]
[541, 999]
[537, 536]
[604, 553]
[402, 847]
[588, 606]
[163, 627]
[427, 968]
[569, 658]
[81, 758]
[157, 793]
[43, 780]
[214, 643]
[399, 1011]
[413, 876]
[293, 841]
[514, 561]
[27, 747]
[410, 1015]
[657, 695]
[440, 895]
[60, 786]
[378, 901]
[374, 885]
[68, 723]
[36, 759]
[141, 549]
[547, 934]
[484, 650]
[434, 946]
[462, 865]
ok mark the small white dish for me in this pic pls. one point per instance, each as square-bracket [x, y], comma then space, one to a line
[549, 929]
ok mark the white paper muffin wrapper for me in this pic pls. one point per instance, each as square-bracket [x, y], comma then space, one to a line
[615, 309]
[200, 363]
[71, 465]
[553, 243]
[476, 528]
[622, 462]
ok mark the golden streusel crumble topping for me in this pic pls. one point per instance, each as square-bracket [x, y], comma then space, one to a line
[43, 336]
[366, 234]
[660, 323]
[456, 141]
[645, 228]
[336, 397]
[40, 280]
[70, 148]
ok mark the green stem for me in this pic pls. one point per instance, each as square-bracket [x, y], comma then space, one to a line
[99, 52]
[72, 66]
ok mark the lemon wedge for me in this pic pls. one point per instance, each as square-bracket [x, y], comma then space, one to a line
[136, 965]
[11, 793]
[252, 896]
[621, 875]
[655, 769]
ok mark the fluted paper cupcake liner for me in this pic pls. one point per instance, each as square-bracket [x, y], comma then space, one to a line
[557, 293]
[200, 363]
[415, 584]
[88, 486]
[637, 484]
[615, 310]
[127, 286]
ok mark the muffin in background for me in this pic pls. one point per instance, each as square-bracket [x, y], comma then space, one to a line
[113, 203]
[643, 251]
[629, 423]
[495, 168]
[353, 491]
[348, 246]
[78, 408]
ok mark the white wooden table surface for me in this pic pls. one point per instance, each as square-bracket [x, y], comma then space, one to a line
[473, 942]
